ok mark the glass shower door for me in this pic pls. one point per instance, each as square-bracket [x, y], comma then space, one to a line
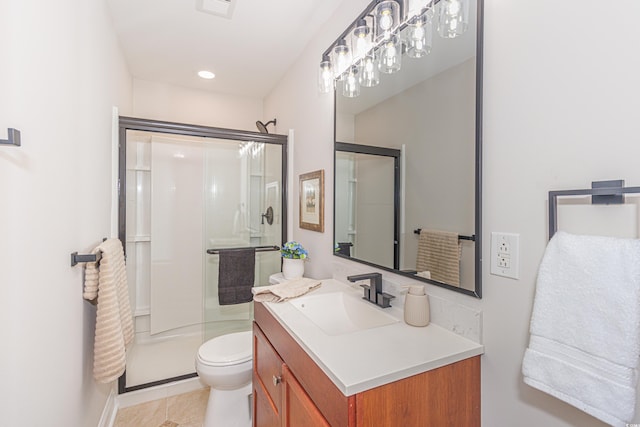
[242, 184]
[186, 194]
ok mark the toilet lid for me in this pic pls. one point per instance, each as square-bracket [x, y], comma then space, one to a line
[229, 349]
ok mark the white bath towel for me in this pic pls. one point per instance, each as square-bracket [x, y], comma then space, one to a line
[285, 290]
[114, 322]
[585, 325]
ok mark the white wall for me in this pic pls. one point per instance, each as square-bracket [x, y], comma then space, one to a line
[560, 110]
[172, 103]
[436, 125]
[62, 71]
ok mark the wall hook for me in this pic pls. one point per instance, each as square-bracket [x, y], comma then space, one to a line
[14, 138]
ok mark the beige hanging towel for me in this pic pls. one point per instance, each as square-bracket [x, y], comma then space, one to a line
[107, 281]
[439, 253]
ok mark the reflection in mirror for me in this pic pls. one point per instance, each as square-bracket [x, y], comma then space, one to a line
[367, 203]
[430, 112]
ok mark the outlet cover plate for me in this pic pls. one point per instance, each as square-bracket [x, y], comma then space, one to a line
[505, 255]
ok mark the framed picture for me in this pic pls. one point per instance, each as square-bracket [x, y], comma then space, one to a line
[312, 201]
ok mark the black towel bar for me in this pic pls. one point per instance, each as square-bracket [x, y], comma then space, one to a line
[12, 139]
[601, 192]
[257, 248]
[75, 258]
[460, 237]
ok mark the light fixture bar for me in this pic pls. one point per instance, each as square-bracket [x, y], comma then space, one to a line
[384, 22]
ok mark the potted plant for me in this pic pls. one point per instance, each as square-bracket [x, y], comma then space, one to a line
[293, 256]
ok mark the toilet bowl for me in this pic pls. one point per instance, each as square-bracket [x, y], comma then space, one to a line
[224, 363]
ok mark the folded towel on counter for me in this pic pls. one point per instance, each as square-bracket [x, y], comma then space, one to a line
[585, 325]
[285, 290]
[236, 275]
[107, 281]
[439, 253]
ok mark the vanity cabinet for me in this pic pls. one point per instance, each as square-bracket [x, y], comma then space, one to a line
[290, 389]
[279, 400]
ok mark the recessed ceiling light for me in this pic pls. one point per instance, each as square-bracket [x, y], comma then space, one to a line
[206, 74]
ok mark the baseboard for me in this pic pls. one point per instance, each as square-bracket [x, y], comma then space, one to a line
[110, 410]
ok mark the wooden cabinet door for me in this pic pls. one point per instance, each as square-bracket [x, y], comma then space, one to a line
[267, 382]
[298, 408]
[264, 414]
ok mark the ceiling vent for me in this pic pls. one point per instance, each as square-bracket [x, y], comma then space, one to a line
[222, 8]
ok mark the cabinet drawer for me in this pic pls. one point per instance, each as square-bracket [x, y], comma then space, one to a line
[267, 369]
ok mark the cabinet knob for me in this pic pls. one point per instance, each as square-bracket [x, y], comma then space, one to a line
[276, 380]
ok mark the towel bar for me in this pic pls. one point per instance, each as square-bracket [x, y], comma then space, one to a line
[601, 192]
[75, 258]
[257, 248]
[13, 138]
[460, 237]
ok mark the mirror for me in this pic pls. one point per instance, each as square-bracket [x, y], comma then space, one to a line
[367, 203]
[420, 217]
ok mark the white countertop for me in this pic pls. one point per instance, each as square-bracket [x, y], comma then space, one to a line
[361, 360]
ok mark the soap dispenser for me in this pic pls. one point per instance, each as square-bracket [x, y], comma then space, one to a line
[416, 306]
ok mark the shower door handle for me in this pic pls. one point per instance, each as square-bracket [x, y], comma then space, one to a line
[268, 215]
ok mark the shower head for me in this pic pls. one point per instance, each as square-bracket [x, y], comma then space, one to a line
[262, 127]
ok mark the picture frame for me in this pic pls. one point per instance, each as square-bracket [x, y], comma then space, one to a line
[312, 201]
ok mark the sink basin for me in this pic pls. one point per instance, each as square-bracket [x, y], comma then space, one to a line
[337, 313]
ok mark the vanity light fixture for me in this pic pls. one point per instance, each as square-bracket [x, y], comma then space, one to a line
[361, 39]
[453, 18]
[387, 19]
[351, 84]
[341, 59]
[325, 75]
[391, 55]
[382, 33]
[370, 71]
[417, 7]
[419, 36]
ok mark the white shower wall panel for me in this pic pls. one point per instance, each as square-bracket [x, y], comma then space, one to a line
[225, 194]
[176, 248]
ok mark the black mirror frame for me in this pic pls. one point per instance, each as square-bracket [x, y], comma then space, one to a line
[477, 292]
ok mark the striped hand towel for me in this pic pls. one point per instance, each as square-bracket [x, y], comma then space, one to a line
[439, 253]
[114, 322]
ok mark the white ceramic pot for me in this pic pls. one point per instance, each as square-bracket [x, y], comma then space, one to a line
[292, 268]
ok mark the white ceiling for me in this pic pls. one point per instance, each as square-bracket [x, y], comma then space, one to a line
[169, 41]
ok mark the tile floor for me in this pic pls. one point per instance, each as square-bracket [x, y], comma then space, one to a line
[182, 410]
[157, 360]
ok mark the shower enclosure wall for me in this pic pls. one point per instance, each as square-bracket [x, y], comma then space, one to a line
[188, 189]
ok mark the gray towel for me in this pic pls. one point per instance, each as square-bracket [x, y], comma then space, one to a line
[236, 275]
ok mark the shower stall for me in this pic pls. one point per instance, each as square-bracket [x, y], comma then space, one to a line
[184, 190]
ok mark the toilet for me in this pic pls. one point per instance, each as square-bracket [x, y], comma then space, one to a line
[224, 363]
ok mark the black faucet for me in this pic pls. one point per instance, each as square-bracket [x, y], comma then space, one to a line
[373, 292]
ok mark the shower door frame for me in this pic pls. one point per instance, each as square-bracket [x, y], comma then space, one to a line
[137, 124]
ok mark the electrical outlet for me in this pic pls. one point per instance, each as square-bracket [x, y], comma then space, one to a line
[505, 254]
